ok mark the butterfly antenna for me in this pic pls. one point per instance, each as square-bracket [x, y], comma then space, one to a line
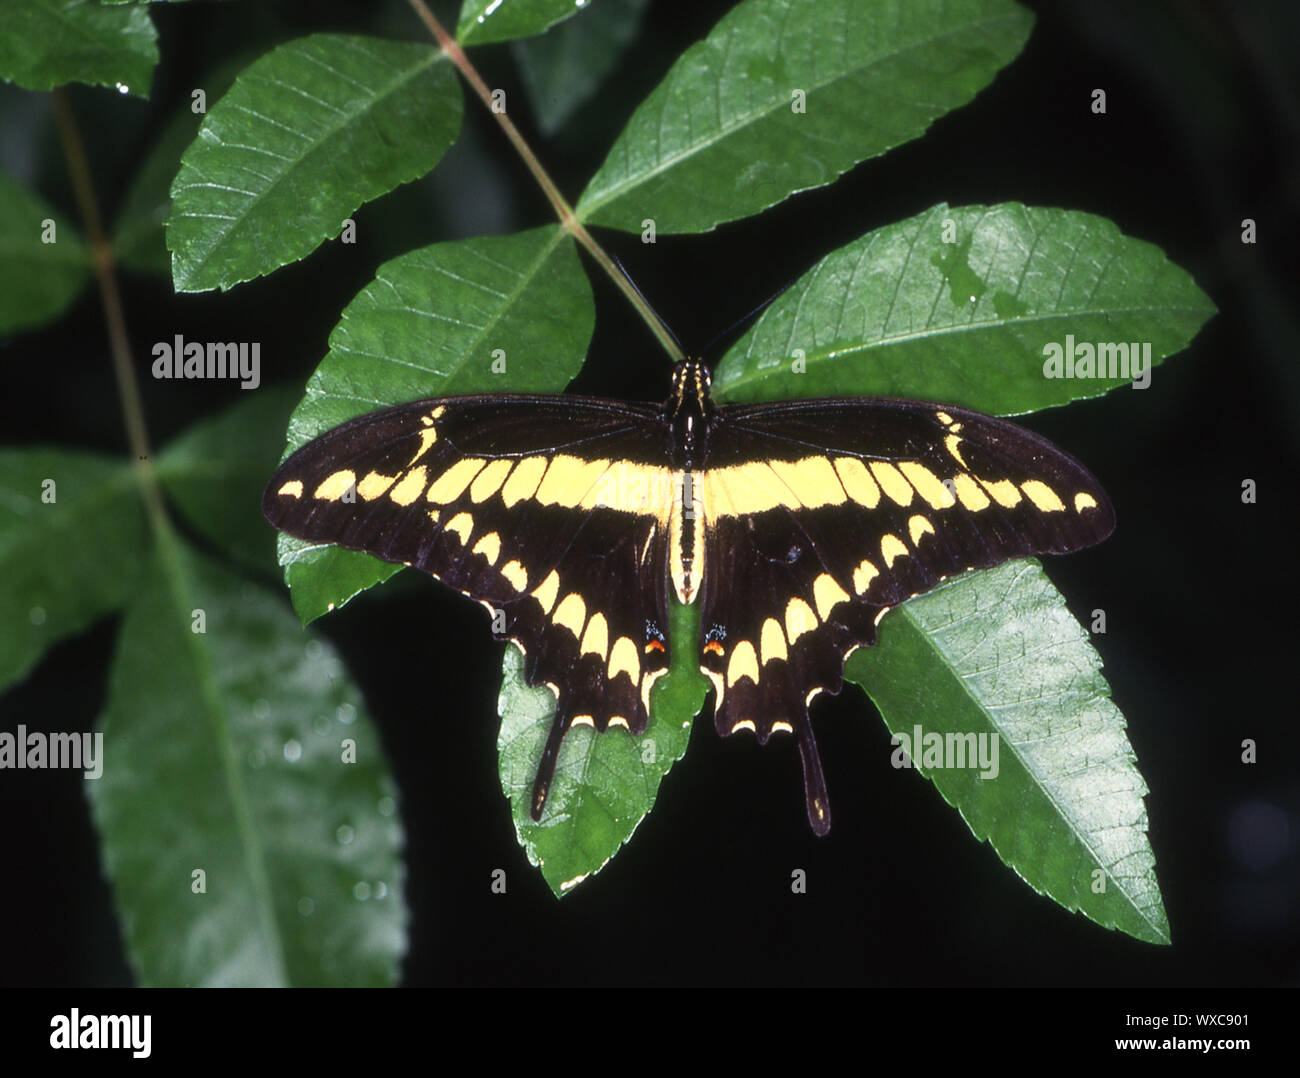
[747, 317]
[648, 305]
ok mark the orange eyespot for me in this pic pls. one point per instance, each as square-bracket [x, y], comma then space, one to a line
[654, 645]
[714, 647]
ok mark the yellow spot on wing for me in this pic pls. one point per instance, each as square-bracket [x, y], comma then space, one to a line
[1084, 501]
[812, 479]
[892, 547]
[489, 480]
[970, 494]
[463, 525]
[772, 641]
[863, 575]
[943, 417]
[1043, 496]
[291, 489]
[411, 486]
[523, 480]
[374, 484]
[827, 595]
[857, 481]
[583, 720]
[437, 412]
[928, 485]
[571, 614]
[1004, 492]
[743, 489]
[334, 487]
[918, 526]
[744, 663]
[799, 619]
[743, 724]
[783, 727]
[892, 482]
[452, 483]
[515, 575]
[631, 488]
[427, 437]
[953, 444]
[595, 640]
[647, 684]
[623, 659]
[568, 480]
[546, 592]
[618, 720]
[490, 547]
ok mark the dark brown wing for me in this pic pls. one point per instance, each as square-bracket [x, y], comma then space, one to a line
[824, 514]
[551, 511]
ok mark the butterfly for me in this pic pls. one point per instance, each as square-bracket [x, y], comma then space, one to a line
[795, 525]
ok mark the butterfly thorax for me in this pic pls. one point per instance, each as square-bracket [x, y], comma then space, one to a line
[690, 411]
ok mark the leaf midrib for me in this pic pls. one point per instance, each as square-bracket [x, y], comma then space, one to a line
[1034, 774]
[611, 194]
[750, 374]
[223, 236]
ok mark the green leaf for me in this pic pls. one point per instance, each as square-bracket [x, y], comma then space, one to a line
[998, 655]
[563, 67]
[225, 753]
[323, 577]
[38, 280]
[903, 313]
[46, 43]
[485, 21]
[306, 135]
[139, 241]
[785, 95]
[606, 783]
[65, 562]
[433, 322]
[216, 470]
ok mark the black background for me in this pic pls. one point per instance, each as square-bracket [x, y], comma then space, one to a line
[1201, 131]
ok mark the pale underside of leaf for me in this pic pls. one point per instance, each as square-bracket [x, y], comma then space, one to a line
[998, 654]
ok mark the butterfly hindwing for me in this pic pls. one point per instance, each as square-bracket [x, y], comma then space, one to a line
[832, 512]
[546, 510]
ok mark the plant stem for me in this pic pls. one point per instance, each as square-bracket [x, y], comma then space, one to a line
[171, 555]
[569, 221]
[101, 252]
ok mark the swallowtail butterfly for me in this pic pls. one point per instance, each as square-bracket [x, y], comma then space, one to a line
[794, 525]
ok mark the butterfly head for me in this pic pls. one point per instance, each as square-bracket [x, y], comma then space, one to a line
[689, 408]
[691, 384]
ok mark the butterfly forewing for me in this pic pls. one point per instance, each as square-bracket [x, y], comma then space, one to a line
[834, 511]
[550, 511]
